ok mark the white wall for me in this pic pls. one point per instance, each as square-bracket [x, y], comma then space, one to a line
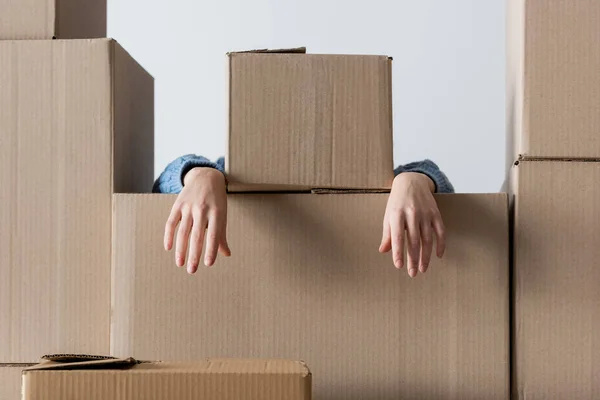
[448, 69]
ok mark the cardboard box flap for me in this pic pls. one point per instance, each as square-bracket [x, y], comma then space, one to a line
[349, 191]
[291, 50]
[75, 362]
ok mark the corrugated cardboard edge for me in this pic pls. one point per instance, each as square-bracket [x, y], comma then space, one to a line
[291, 50]
[72, 358]
[349, 191]
[72, 364]
[526, 158]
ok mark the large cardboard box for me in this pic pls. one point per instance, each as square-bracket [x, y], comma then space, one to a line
[304, 121]
[10, 382]
[553, 80]
[76, 125]
[218, 379]
[306, 282]
[556, 280]
[47, 19]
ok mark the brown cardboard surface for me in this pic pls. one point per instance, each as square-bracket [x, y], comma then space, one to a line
[306, 282]
[212, 379]
[62, 105]
[309, 121]
[46, 19]
[556, 278]
[553, 82]
[10, 382]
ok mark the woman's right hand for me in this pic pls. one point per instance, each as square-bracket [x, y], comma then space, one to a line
[200, 211]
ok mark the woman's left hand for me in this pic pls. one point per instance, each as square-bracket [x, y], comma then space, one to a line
[412, 217]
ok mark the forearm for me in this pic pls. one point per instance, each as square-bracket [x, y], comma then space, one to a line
[441, 183]
[171, 180]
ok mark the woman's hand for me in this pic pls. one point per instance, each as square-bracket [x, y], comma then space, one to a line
[200, 210]
[412, 217]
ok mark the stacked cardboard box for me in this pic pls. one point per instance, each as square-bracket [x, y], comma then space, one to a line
[76, 126]
[554, 127]
[303, 121]
[48, 19]
[306, 280]
[218, 379]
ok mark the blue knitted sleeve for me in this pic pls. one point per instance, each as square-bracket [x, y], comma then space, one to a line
[429, 168]
[171, 179]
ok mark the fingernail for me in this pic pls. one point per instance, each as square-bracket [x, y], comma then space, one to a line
[208, 262]
[398, 264]
[412, 273]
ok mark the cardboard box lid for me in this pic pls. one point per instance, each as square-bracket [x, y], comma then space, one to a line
[93, 377]
[291, 50]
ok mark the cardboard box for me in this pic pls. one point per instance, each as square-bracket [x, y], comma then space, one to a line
[553, 82]
[125, 379]
[556, 280]
[302, 121]
[47, 19]
[10, 381]
[306, 281]
[76, 125]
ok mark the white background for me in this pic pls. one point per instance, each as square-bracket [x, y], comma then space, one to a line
[449, 65]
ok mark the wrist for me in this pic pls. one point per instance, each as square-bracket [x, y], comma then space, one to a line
[202, 173]
[417, 178]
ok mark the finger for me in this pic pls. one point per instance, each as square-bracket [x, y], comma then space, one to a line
[386, 238]
[223, 244]
[182, 238]
[426, 245]
[170, 226]
[440, 233]
[397, 232]
[196, 242]
[224, 248]
[414, 242]
[212, 241]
